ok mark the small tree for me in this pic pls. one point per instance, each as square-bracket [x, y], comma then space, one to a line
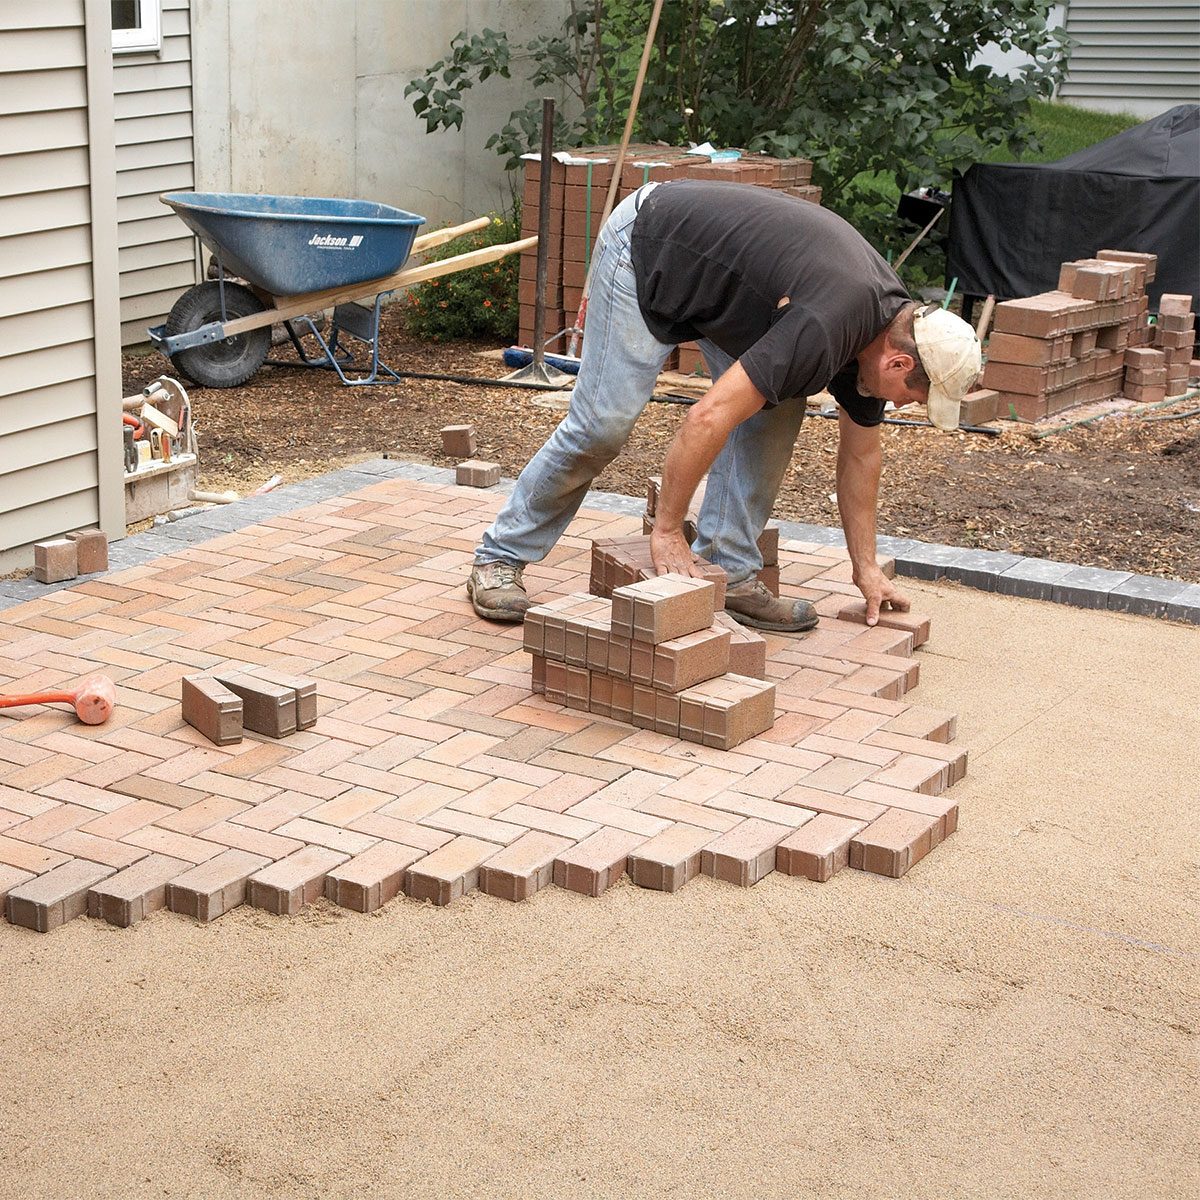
[875, 92]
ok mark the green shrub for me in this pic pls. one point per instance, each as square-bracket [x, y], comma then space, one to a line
[479, 303]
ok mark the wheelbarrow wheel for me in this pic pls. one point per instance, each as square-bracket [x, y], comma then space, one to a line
[222, 364]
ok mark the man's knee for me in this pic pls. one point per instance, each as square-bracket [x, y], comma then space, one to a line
[596, 445]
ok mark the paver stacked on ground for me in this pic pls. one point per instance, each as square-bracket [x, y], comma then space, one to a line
[458, 441]
[81, 553]
[578, 189]
[1175, 340]
[650, 657]
[1089, 340]
[431, 769]
[619, 562]
[768, 540]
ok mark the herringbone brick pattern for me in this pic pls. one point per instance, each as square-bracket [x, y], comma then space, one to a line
[433, 769]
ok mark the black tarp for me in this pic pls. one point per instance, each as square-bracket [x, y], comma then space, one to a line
[1013, 224]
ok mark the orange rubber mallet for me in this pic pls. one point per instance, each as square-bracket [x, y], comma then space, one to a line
[94, 699]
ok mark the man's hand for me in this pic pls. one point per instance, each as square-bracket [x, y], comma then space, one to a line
[698, 441]
[671, 553]
[879, 592]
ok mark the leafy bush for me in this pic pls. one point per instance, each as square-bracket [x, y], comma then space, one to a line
[479, 303]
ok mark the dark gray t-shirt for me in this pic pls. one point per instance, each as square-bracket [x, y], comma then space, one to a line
[713, 260]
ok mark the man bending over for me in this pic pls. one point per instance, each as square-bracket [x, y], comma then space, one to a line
[785, 299]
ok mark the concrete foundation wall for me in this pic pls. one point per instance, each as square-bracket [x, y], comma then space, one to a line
[305, 97]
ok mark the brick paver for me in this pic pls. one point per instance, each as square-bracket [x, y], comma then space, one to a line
[520, 870]
[745, 854]
[432, 766]
[819, 849]
[371, 879]
[133, 894]
[669, 859]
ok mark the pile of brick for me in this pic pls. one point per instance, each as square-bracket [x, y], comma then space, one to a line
[619, 562]
[1057, 349]
[1174, 340]
[1089, 340]
[768, 540]
[578, 190]
[653, 656]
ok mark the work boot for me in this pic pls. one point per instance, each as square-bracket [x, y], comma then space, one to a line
[752, 603]
[497, 591]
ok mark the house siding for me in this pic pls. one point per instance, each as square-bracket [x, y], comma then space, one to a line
[154, 154]
[60, 393]
[1140, 58]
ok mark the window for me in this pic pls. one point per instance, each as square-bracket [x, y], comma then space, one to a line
[137, 26]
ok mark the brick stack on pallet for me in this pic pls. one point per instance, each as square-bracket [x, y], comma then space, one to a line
[578, 190]
[652, 657]
[768, 540]
[1057, 349]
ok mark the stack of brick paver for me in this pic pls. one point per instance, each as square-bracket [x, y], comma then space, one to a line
[432, 770]
[652, 657]
[1057, 349]
[1174, 340]
[1089, 340]
[768, 540]
[619, 562]
[578, 191]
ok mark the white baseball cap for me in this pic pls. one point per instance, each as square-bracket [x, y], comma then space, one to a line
[952, 358]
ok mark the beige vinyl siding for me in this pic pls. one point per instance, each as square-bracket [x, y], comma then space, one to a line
[65, 167]
[60, 395]
[153, 105]
[1144, 58]
[153, 229]
[49, 249]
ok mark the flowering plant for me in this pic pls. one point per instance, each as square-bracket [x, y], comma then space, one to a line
[480, 302]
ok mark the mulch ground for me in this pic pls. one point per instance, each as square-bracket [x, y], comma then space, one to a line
[1123, 493]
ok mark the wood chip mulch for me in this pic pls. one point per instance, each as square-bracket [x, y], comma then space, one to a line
[1123, 493]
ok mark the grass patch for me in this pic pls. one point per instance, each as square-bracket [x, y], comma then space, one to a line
[1061, 129]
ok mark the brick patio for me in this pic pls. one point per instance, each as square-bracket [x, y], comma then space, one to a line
[432, 769]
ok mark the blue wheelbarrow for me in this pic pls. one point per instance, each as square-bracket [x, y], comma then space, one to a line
[293, 256]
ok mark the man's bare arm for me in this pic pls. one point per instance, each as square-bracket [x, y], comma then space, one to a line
[859, 461]
[704, 431]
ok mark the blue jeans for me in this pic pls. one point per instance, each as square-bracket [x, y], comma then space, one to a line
[620, 365]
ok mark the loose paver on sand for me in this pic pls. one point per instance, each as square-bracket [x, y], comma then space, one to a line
[433, 768]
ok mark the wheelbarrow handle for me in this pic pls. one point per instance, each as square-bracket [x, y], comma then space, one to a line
[439, 237]
[287, 307]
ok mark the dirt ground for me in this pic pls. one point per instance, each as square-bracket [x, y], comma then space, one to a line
[1016, 1017]
[1122, 494]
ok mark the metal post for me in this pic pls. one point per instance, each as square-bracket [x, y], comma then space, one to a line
[543, 250]
[537, 373]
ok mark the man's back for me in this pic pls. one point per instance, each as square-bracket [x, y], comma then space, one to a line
[714, 260]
